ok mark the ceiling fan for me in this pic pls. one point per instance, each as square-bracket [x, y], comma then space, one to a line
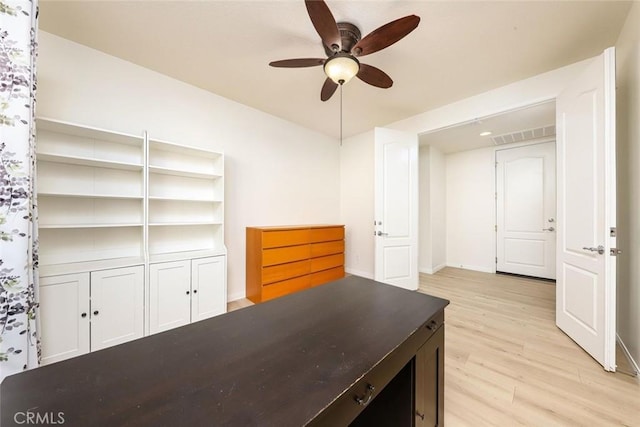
[343, 44]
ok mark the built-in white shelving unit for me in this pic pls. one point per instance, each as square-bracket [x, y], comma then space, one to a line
[186, 193]
[91, 188]
[110, 201]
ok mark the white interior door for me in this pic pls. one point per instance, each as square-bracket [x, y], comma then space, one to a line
[585, 299]
[396, 208]
[526, 210]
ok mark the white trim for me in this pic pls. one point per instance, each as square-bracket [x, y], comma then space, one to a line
[625, 351]
[472, 267]
[433, 270]
[360, 273]
[236, 296]
[610, 207]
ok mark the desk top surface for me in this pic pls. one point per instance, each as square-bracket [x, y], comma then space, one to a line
[277, 363]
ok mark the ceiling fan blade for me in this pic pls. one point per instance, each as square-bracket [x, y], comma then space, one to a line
[328, 89]
[386, 35]
[324, 23]
[374, 76]
[297, 63]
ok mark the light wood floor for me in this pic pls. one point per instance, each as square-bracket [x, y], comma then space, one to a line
[507, 364]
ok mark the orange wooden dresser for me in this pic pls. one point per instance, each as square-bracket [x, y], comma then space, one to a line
[282, 260]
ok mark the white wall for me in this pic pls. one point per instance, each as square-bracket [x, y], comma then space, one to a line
[526, 92]
[356, 200]
[432, 210]
[471, 213]
[438, 177]
[425, 255]
[628, 159]
[276, 172]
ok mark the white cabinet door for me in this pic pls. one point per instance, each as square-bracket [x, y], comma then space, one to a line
[117, 307]
[208, 287]
[64, 316]
[169, 295]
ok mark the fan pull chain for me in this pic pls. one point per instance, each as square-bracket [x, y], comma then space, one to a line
[341, 115]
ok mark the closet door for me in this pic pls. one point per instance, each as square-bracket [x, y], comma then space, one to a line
[64, 316]
[117, 307]
[169, 295]
[208, 286]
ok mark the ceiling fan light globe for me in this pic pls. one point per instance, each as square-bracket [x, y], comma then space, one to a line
[341, 68]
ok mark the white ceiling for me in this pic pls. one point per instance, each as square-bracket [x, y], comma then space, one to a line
[461, 48]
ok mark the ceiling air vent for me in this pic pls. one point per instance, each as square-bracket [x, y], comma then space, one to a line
[525, 135]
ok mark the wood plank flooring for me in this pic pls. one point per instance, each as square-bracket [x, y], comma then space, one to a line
[507, 364]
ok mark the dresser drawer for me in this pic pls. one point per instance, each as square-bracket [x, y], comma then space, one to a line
[285, 254]
[275, 239]
[326, 262]
[277, 273]
[326, 234]
[327, 248]
[278, 289]
[322, 277]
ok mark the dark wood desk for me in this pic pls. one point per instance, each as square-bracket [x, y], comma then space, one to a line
[304, 359]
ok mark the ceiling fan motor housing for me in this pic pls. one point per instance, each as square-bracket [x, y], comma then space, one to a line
[349, 35]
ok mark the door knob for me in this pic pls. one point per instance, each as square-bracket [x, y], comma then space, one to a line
[599, 249]
[549, 229]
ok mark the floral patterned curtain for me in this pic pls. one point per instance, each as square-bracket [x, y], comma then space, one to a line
[19, 346]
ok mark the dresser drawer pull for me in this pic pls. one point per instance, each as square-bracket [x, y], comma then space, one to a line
[433, 325]
[368, 395]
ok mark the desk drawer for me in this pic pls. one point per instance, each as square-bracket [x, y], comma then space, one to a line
[326, 234]
[275, 239]
[285, 287]
[364, 392]
[326, 262]
[285, 254]
[277, 273]
[327, 248]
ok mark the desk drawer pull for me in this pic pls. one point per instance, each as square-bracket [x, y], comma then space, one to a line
[368, 395]
[433, 325]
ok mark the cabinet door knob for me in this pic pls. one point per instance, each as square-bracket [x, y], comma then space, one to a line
[195, 291]
[83, 315]
[187, 292]
[95, 313]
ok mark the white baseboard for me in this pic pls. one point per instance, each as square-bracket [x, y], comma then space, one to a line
[433, 270]
[359, 273]
[625, 350]
[236, 296]
[472, 267]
